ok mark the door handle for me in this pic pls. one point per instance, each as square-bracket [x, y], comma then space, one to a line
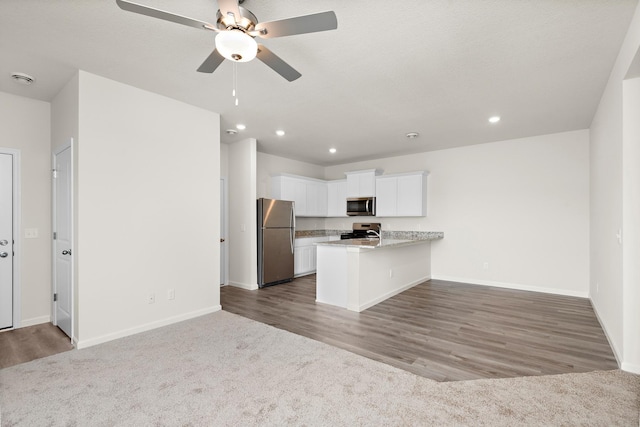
[3, 254]
[66, 252]
[4, 242]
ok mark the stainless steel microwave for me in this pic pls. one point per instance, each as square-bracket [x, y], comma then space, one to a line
[361, 206]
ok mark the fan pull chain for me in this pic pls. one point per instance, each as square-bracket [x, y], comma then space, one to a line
[234, 93]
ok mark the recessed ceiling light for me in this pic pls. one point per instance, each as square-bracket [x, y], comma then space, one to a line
[332, 150]
[494, 119]
[240, 126]
[413, 135]
[231, 131]
[22, 78]
[280, 132]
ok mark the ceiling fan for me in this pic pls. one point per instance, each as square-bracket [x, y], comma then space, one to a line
[237, 29]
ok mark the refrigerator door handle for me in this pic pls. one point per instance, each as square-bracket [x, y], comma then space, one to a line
[292, 231]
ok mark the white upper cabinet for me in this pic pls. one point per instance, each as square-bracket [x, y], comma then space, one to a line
[316, 198]
[337, 198]
[386, 196]
[309, 195]
[396, 195]
[402, 194]
[362, 183]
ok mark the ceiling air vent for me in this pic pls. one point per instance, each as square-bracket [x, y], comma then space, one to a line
[22, 78]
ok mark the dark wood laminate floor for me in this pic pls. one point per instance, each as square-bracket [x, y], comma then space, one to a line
[30, 343]
[441, 330]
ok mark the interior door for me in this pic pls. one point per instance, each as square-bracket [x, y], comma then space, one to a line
[6, 241]
[223, 232]
[63, 239]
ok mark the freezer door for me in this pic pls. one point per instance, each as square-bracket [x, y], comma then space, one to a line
[277, 213]
[277, 255]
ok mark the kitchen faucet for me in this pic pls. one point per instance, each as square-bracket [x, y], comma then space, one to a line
[376, 233]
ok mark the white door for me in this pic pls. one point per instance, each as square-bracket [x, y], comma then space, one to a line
[6, 241]
[63, 239]
[223, 232]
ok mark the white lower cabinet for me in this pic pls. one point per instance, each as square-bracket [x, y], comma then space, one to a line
[304, 254]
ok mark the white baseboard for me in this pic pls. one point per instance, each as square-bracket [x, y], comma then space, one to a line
[244, 286]
[34, 321]
[146, 327]
[388, 295]
[630, 367]
[616, 354]
[515, 286]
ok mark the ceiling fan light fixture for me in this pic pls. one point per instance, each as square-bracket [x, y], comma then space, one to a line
[236, 46]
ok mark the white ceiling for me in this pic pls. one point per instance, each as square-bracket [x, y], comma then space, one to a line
[437, 67]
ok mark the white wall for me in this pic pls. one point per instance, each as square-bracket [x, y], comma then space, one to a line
[607, 181]
[25, 126]
[224, 160]
[64, 128]
[243, 256]
[147, 210]
[522, 206]
[268, 165]
[631, 224]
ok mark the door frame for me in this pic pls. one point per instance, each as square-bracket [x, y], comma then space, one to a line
[54, 285]
[224, 232]
[17, 241]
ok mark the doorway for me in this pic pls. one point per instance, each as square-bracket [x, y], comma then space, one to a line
[62, 251]
[9, 239]
[224, 258]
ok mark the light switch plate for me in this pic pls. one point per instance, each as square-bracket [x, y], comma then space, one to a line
[30, 233]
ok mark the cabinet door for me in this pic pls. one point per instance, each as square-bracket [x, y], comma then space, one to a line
[362, 184]
[410, 196]
[300, 197]
[353, 186]
[367, 185]
[316, 199]
[298, 260]
[341, 199]
[337, 198]
[386, 196]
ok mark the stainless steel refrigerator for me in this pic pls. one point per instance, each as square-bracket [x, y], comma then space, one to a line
[276, 235]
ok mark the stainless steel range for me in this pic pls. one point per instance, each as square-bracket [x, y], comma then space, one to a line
[361, 230]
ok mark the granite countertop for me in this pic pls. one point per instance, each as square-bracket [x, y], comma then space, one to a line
[373, 242]
[319, 233]
[395, 235]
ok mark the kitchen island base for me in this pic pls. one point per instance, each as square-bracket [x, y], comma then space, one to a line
[356, 277]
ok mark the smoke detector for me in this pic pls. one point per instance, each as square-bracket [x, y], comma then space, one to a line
[22, 78]
[231, 131]
[412, 135]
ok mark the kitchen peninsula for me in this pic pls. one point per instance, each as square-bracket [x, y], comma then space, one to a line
[359, 273]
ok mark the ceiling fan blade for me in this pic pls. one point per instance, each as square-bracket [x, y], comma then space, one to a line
[161, 14]
[212, 62]
[322, 21]
[276, 64]
[230, 6]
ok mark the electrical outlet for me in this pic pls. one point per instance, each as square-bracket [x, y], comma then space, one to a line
[171, 294]
[151, 298]
[485, 265]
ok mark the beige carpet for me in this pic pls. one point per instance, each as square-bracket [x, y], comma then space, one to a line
[222, 369]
